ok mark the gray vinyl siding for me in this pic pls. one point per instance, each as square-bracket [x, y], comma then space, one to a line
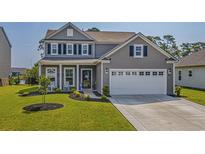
[101, 49]
[63, 35]
[154, 60]
[98, 77]
[5, 56]
[197, 80]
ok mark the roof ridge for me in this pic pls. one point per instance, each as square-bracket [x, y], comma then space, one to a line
[111, 31]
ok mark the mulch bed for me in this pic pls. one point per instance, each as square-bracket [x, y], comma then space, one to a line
[37, 93]
[72, 96]
[43, 107]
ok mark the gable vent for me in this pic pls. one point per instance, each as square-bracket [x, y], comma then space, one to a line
[69, 32]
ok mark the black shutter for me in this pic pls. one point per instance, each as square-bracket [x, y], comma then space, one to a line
[145, 53]
[131, 51]
[79, 49]
[64, 49]
[75, 49]
[59, 49]
[90, 49]
[49, 48]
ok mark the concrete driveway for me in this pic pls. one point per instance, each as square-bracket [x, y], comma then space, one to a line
[160, 112]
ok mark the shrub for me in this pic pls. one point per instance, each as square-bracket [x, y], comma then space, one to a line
[106, 90]
[103, 98]
[87, 97]
[72, 89]
[57, 90]
[178, 91]
[77, 93]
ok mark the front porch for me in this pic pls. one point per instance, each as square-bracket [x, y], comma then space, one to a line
[64, 77]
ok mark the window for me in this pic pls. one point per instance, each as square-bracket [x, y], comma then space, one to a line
[147, 73]
[128, 73]
[51, 74]
[141, 73]
[180, 75]
[120, 73]
[134, 73]
[85, 49]
[69, 32]
[113, 73]
[190, 73]
[69, 49]
[154, 73]
[69, 77]
[54, 49]
[138, 49]
[161, 73]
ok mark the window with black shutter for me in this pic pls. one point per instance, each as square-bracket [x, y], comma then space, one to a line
[75, 49]
[64, 49]
[90, 49]
[59, 49]
[48, 48]
[79, 49]
[145, 51]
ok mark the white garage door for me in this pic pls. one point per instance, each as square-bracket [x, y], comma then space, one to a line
[140, 81]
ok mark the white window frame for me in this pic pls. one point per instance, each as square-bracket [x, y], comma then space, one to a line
[138, 45]
[69, 68]
[55, 68]
[87, 49]
[69, 32]
[67, 49]
[52, 48]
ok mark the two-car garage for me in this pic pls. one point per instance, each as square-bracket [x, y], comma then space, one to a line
[138, 81]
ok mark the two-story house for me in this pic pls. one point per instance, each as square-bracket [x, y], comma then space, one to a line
[127, 62]
[5, 57]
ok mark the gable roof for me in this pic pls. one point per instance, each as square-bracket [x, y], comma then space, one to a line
[51, 33]
[110, 36]
[112, 51]
[195, 59]
[7, 39]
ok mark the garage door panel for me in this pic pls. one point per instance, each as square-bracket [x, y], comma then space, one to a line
[136, 84]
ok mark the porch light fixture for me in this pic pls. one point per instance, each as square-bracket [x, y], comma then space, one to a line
[106, 70]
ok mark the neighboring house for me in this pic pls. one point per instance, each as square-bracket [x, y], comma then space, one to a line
[5, 57]
[190, 71]
[128, 63]
[15, 71]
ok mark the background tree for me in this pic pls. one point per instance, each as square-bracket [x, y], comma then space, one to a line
[44, 83]
[32, 75]
[94, 29]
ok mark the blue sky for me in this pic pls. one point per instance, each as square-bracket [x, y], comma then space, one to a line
[24, 37]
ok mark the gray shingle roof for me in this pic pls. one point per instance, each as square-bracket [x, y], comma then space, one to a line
[196, 59]
[1, 28]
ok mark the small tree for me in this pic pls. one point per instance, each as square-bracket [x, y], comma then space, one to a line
[44, 83]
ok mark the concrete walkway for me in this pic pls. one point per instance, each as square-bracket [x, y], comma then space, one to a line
[160, 112]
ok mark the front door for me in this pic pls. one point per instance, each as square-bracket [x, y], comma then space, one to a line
[86, 78]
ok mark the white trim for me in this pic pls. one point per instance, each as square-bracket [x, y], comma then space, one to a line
[142, 50]
[39, 69]
[71, 32]
[55, 74]
[67, 62]
[67, 49]
[52, 48]
[101, 77]
[60, 76]
[81, 77]
[69, 68]
[174, 78]
[112, 51]
[77, 77]
[74, 27]
[82, 49]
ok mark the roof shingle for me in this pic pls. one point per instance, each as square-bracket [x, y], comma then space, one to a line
[196, 59]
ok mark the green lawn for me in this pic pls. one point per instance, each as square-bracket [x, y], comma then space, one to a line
[75, 115]
[197, 96]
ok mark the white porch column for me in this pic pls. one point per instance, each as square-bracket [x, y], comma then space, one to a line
[101, 81]
[60, 76]
[39, 69]
[77, 77]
